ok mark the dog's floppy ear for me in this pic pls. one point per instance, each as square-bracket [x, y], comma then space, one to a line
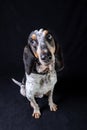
[28, 59]
[59, 63]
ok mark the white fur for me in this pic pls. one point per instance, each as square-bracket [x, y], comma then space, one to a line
[35, 88]
[37, 85]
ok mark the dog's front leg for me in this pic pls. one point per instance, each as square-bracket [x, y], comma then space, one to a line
[53, 106]
[36, 112]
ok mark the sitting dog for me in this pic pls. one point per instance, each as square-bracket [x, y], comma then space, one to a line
[42, 59]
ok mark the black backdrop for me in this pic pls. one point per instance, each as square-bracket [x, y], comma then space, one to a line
[67, 20]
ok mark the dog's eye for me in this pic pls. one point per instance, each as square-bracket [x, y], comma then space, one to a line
[49, 37]
[34, 43]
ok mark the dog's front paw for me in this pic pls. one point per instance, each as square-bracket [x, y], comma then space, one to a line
[36, 114]
[53, 107]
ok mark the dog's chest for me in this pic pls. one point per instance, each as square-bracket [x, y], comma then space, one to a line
[38, 85]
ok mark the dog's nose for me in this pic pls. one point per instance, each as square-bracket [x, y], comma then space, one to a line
[46, 56]
[43, 57]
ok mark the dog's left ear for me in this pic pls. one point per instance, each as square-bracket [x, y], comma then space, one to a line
[59, 62]
[28, 59]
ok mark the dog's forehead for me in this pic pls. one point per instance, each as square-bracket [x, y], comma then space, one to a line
[38, 34]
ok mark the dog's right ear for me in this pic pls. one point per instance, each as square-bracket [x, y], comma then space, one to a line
[28, 59]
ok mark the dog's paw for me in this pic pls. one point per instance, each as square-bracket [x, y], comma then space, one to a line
[53, 107]
[36, 114]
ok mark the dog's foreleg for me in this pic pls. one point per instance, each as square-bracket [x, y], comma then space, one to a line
[53, 106]
[36, 113]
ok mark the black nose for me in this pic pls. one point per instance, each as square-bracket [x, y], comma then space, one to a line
[46, 56]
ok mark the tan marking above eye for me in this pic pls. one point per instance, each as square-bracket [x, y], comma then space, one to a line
[33, 37]
[45, 32]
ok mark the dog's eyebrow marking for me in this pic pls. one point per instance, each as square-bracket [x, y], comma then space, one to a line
[45, 32]
[33, 36]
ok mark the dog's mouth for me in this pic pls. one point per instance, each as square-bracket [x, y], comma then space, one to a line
[44, 66]
[47, 62]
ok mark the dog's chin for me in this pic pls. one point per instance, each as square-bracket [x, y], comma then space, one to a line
[46, 63]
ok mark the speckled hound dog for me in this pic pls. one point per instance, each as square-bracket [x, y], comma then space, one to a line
[42, 58]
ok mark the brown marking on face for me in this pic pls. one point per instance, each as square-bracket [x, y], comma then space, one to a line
[36, 55]
[33, 36]
[52, 49]
[45, 32]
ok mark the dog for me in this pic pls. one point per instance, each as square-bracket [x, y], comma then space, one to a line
[42, 59]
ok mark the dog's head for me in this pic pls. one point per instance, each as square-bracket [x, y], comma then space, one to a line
[42, 45]
[44, 48]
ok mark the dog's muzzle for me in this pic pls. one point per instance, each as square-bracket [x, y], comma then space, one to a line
[46, 57]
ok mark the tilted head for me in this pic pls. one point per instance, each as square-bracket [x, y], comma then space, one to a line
[42, 45]
[42, 49]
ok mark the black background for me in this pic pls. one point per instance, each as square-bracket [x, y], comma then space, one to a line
[68, 22]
